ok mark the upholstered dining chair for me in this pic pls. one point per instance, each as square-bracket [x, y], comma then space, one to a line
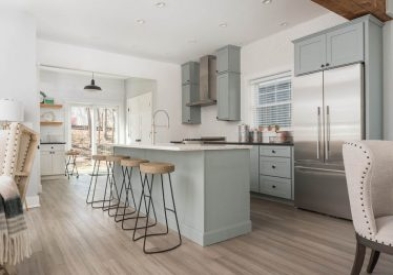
[18, 146]
[369, 173]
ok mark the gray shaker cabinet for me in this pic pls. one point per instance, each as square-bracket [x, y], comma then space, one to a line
[228, 83]
[329, 49]
[190, 115]
[254, 169]
[190, 73]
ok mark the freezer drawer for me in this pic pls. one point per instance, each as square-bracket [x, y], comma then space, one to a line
[277, 187]
[275, 151]
[322, 190]
[277, 167]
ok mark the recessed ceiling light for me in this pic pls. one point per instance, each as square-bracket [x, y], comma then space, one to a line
[266, 1]
[160, 4]
[141, 21]
[284, 24]
[192, 41]
[223, 25]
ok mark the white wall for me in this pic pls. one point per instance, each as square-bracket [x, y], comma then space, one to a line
[18, 75]
[67, 88]
[388, 80]
[264, 57]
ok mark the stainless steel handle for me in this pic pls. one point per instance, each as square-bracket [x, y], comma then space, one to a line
[304, 168]
[319, 132]
[327, 132]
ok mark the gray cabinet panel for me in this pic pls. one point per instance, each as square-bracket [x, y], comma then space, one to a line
[190, 73]
[190, 115]
[254, 169]
[345, 45]
[276, 187]
[228, 59]
[310, 54]
[277, 167]
[228, 97]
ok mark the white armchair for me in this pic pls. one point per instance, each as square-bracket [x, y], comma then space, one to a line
[369, 173]
[18, 146]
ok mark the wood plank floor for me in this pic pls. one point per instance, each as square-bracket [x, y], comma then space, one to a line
[71, 238]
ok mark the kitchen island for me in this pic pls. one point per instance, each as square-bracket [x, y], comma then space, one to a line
[211, 186]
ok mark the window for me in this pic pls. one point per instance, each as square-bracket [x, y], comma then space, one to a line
[271, 102]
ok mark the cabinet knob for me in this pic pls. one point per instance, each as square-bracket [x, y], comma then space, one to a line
[327, 64]
[322, 66]
[273, 152]
[273, 166]
[273, 186]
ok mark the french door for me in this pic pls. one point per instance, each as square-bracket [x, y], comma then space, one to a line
[92, 130]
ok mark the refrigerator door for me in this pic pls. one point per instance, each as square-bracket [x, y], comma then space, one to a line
[308, 119]
[323, 190]
[343, 109]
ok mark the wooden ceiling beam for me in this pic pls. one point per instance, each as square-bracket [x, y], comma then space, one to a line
[352, 9]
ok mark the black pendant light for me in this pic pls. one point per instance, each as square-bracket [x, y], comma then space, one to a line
[92, 87]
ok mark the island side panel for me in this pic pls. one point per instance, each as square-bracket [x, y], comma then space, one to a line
[227, 195]
[188, 187]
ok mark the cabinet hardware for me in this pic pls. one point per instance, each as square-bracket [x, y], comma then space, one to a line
[273, 166]
[273, 186]
[322, 66]
[273, 152]
[327, 64]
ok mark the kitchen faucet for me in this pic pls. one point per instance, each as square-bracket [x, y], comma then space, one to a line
[153, 125]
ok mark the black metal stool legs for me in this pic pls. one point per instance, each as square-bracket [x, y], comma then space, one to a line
[93, 183]
[126, 185]
[71, 161]
[112, 190]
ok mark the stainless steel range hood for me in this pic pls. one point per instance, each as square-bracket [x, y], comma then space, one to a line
[207, 82]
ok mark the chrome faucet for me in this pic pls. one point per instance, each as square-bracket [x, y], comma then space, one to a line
[153, 125]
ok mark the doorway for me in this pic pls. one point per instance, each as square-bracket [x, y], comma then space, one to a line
[92, 130]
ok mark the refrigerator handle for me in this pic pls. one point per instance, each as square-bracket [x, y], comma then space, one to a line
[327, 132]
[319, 132]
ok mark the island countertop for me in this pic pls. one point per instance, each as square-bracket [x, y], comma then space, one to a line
[183, 147]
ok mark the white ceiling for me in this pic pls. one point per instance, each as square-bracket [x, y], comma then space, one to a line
[183, 30]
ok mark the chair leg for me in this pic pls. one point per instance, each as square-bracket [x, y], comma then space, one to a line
[359, 258]
[373, 261]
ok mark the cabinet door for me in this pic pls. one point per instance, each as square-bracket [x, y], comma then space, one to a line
[46, 163]
[228, 59]
[254, 169]
[228, 97]
[345, 46]
[191, 115]
[310, 54]
[58, 163]
[190, 73]
[186, 112]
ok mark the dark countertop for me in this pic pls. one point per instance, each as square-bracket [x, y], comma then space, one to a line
[249, 143]
[53, 142]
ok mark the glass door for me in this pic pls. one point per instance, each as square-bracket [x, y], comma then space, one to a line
[92, 130]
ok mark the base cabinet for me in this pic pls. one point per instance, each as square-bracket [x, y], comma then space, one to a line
[52, 159]
[272, 171]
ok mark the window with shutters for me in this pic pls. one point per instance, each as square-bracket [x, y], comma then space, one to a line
[271, 102]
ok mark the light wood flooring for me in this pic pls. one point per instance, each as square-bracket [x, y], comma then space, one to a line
[71, 238]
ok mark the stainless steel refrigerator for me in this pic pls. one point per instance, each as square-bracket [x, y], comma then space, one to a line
[328, 109]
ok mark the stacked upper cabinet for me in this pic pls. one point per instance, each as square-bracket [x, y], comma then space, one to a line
[228, 83]
[190, 93]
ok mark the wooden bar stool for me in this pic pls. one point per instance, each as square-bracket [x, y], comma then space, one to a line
[111, 161]
[157, 168]
[70, 161]
[128, 165]
[94, 177]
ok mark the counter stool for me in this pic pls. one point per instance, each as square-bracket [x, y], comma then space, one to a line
[128, 165]
[157, 168]
[94, 177]
[70, 161]
[111, 161]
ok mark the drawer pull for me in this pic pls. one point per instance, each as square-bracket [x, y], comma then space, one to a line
[273, 166]
[273, 152]
[273, 186]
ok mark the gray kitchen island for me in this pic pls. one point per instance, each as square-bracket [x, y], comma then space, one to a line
[211, 185]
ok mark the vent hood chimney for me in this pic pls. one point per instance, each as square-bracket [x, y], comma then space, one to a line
[207, 82]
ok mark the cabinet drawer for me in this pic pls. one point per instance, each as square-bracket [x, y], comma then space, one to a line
[278, 167]
[52, 147]
[275, 151]
[277, 187]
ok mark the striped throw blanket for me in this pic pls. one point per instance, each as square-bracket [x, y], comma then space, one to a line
[14, 239]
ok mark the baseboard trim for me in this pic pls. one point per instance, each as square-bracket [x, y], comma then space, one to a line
[33, 201]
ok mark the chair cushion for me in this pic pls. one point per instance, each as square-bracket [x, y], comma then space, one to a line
[384, 230]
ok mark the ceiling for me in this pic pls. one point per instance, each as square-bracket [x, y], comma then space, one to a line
[182, 30]
[352, 9]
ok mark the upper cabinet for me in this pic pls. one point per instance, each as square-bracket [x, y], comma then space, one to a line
[228, 83]
[190, 93]
[190, 73]
[335, 47]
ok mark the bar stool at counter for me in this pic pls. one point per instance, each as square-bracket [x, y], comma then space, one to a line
[157, 168]
[70, 162]
[94, 178]
[128, 165]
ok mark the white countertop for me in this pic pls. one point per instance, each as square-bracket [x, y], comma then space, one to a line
[182, 147]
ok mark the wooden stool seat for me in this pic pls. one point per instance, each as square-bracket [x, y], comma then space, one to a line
[98, 157]
[132, 162]
[72, 153]
[116, 158]
[157, 168]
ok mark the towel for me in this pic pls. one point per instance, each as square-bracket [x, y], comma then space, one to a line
[14, 239]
